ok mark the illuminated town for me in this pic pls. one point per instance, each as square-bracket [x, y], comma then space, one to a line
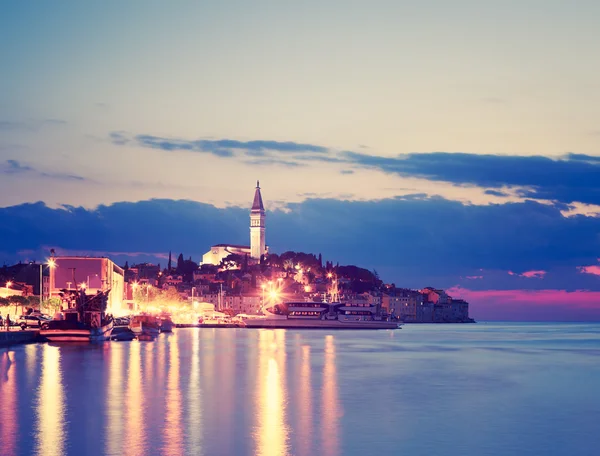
[230, 284]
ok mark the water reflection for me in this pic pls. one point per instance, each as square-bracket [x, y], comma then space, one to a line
[172, 429]
[50, 406]
[331, 407]
[272, 433]
[114, 413]
[194, 398]
[134, 443]
[305, 431]
[8, 415]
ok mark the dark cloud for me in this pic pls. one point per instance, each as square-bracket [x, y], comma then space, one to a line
[29, 124]
[572, 178]
[15, 167]
[220, 147]
[495, 193]
[413, 241]
[346, 171]
[274, 161]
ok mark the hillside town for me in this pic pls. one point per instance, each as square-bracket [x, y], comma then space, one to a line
[231, 279]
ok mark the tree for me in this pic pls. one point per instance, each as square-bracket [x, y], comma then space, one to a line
[126, 267]
[17, 301]
[170, 296]
[4, 302]
[53, 305]
[180, 262]
[320, 261]
[169, 263]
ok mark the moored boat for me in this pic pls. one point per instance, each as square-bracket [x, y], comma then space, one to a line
[84, 320]
[145, 327]
[320, 315]
[166, 324]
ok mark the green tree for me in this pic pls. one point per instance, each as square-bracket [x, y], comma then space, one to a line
[4, 302]
[145, 294]
[53, 305]
[17, 301]
[170, 296]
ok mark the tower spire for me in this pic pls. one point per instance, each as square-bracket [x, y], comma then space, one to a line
[257, 225]
[257, 204]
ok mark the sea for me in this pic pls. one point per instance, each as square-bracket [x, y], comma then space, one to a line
[471, 389]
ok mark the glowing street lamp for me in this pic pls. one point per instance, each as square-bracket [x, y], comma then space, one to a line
[51, 264]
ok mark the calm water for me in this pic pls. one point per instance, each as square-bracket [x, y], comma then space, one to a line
[485, 389]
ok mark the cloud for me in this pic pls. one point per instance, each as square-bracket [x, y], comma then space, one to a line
[529, 274]
[220, 148]
[29, 124]
[534, 274]
[531, 305]
[15, 167]
[568, 179]
[593, 269]
[495, 193]
[398, 237]
[274, 161]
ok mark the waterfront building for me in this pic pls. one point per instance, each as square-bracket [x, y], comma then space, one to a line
[403, 303]
[257, 247]
[94, 273]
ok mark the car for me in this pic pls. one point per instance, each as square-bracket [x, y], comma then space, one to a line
[32, 321]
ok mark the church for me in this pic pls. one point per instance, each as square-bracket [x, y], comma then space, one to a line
[257, 246]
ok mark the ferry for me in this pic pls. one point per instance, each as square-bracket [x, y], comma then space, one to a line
[320, 315]
[84, 320]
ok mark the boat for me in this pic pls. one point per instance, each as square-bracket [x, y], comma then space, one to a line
[84, 320]
[166, 324]
[145, 327]
[320, 315]
[121, 332]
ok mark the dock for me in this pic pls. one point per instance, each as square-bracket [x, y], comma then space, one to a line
[17, 337]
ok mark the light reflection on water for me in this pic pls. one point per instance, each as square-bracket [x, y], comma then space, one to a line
[135, 438]
[50, 407]
[451, 389]
[8, 422]
[272, 433]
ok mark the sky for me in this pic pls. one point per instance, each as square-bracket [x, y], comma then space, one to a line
[447, 144]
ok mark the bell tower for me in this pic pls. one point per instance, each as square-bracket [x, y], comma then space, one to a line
[257, 226]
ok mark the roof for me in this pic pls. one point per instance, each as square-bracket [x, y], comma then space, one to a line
[257, 204]
[233, 246]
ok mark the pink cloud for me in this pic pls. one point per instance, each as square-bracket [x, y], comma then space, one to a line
[529, 274]
[531, 305]
[474, 277]
[595, 270]
[534, 274]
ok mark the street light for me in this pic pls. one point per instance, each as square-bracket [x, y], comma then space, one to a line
[51, 265]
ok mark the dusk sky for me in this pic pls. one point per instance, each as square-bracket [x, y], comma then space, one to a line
[446, 144]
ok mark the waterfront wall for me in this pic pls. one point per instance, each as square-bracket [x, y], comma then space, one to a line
[17, 337]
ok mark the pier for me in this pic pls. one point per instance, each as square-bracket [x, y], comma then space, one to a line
[16, 337]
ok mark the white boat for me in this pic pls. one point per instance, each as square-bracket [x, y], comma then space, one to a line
[320, 315]
[83, 321]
